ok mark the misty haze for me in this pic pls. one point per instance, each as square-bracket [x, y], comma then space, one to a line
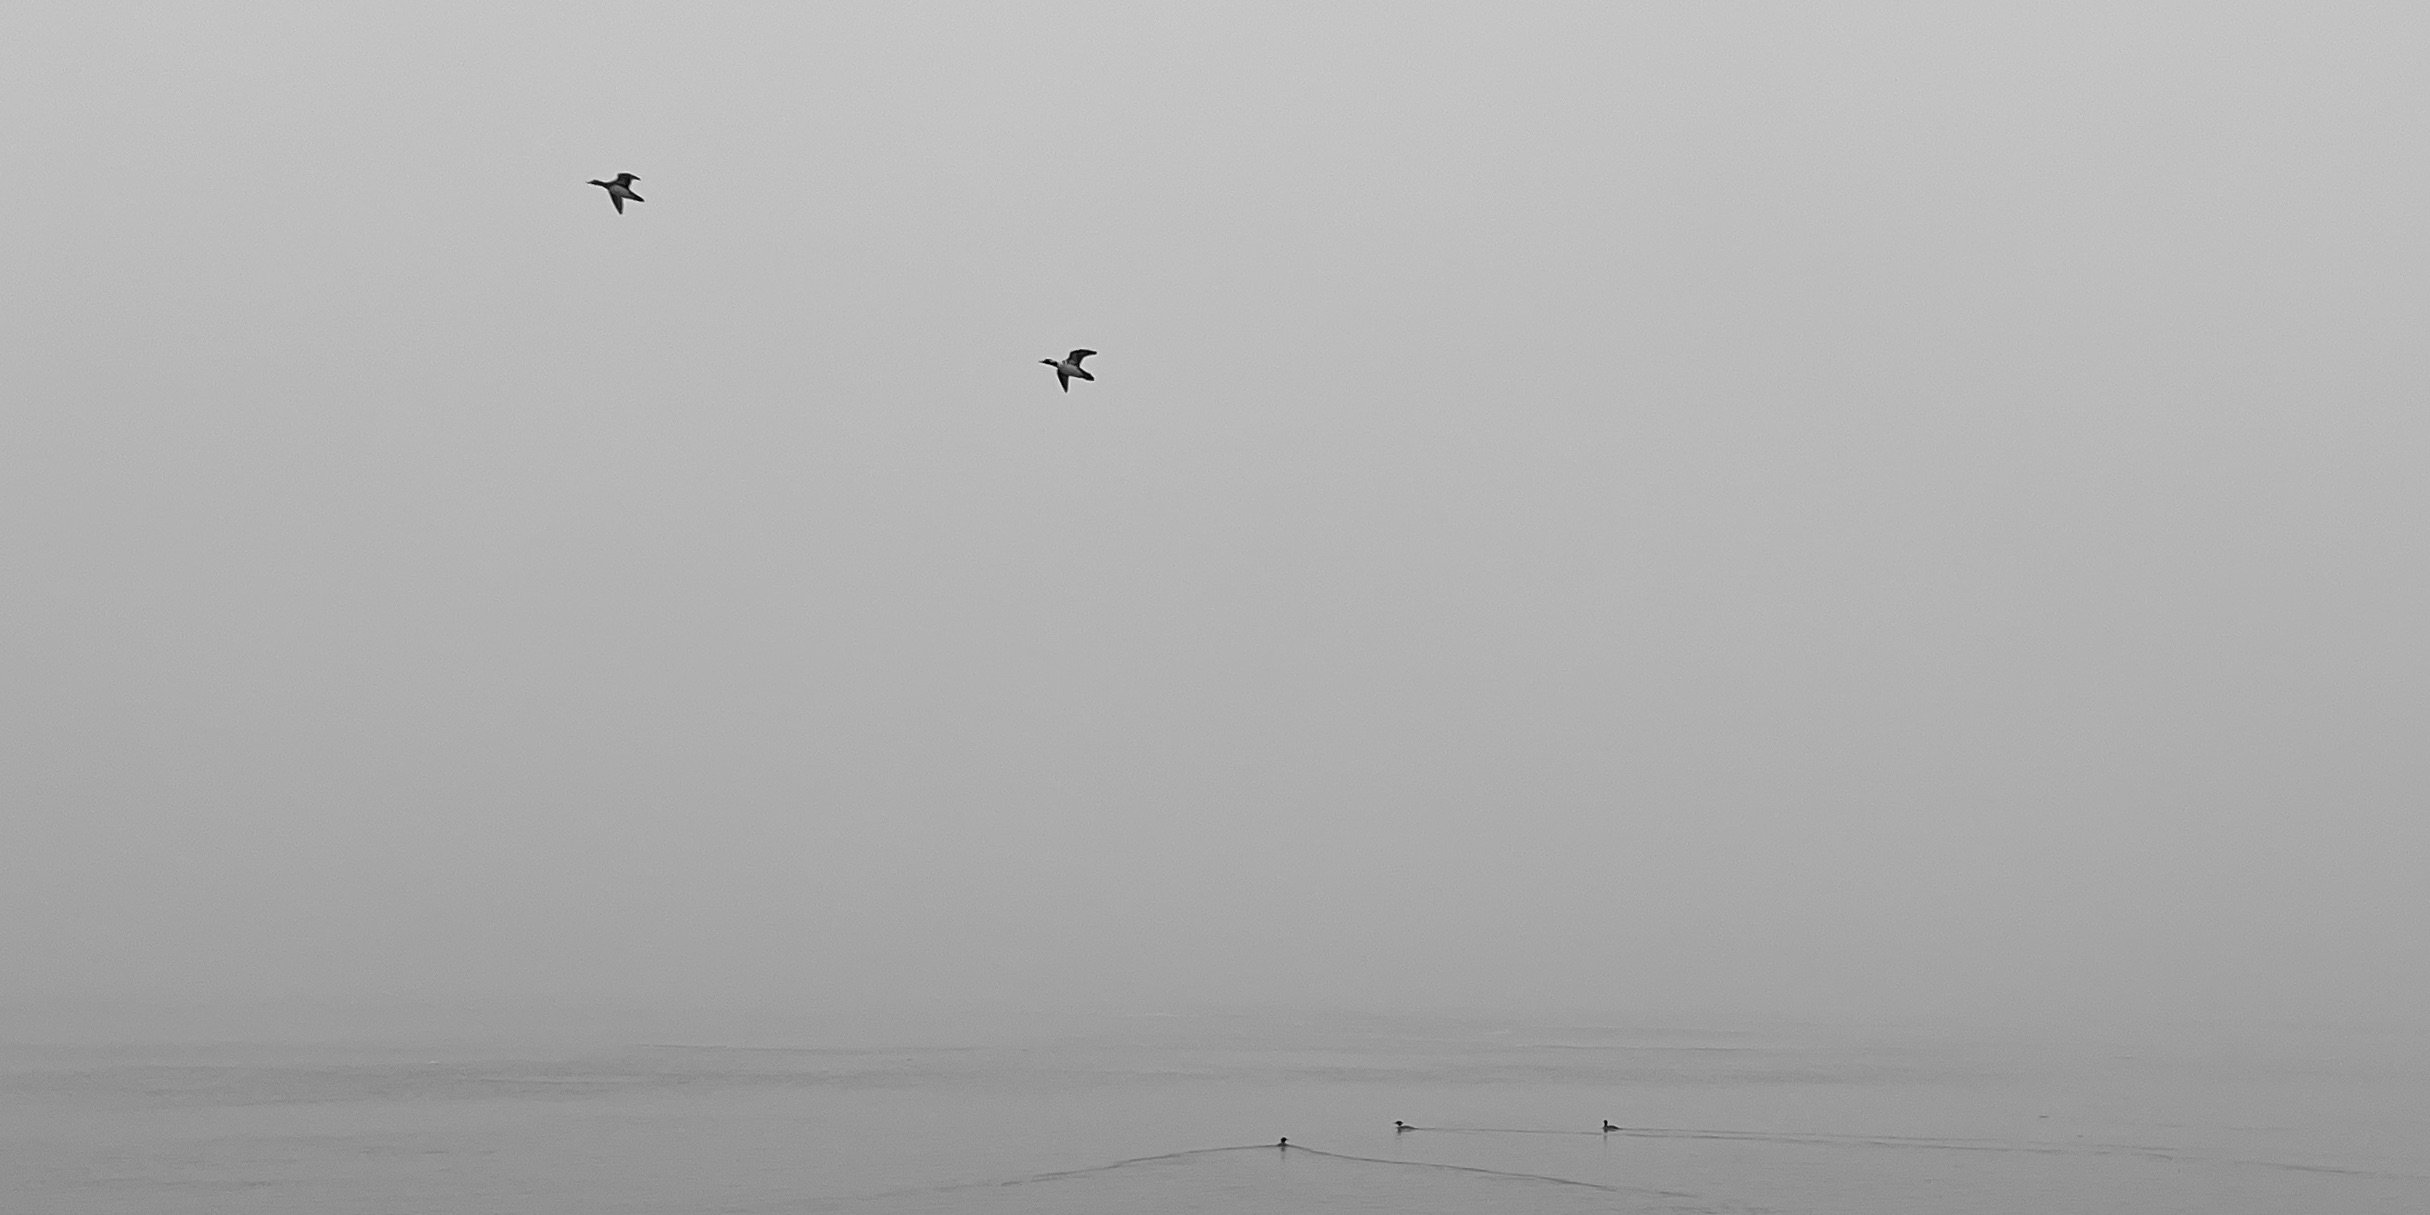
[1838, 590]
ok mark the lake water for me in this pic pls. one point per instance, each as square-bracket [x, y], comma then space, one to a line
[1181, 1114]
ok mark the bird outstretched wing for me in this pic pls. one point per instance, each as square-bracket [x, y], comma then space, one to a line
[1064, 378]
[1078, 355]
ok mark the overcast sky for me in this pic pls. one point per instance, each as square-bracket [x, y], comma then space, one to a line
[1895, 509]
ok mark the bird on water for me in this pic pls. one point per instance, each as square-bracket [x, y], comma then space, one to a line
[620, 190]
[1608, 1128]
[1068, 367]
[1284, 1143]
[1398, 1126]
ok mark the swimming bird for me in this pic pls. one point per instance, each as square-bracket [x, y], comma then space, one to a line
[1398, 1126]
[1284, 1143]
[1069, 366]
[620, 190]
[1608, 1128]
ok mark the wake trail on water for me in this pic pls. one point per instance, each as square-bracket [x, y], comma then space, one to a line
[1060, 1175]
[1929, 1143]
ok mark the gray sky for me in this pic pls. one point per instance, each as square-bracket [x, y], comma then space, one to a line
[1899, 509]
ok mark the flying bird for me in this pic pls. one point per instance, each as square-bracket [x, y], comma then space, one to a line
[620, 190]
[1069, 366]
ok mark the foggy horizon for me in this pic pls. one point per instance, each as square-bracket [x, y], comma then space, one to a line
[1753, 512]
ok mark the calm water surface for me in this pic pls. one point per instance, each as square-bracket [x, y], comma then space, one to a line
[1180, 1114]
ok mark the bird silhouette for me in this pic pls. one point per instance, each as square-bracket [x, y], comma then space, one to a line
[620, 190]
[1068, 367]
